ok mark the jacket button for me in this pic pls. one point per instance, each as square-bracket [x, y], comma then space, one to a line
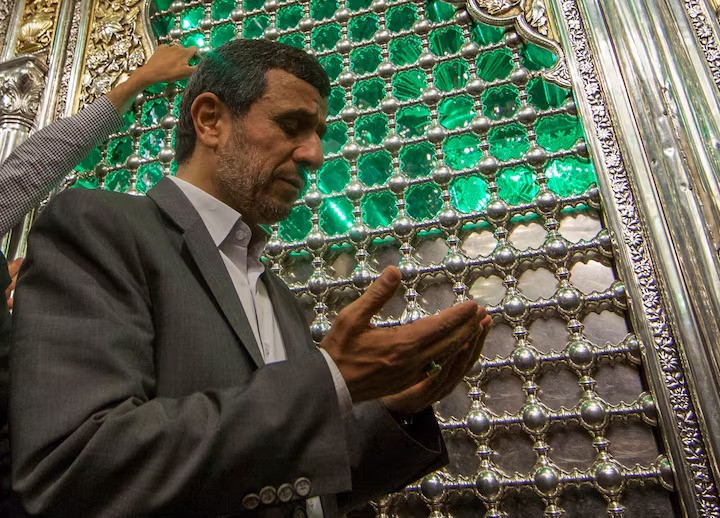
[303, 487]
[299, 512]
[285, 493]
[267, 495]
[251, 501]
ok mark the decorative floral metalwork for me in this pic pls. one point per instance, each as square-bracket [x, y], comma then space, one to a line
[5, 9]
[37, 26]
[700, 20]
[69, 61]
[21, 87]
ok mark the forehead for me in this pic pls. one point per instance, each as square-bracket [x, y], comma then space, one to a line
[284, 91]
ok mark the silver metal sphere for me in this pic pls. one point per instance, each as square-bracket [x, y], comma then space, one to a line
[349, 113]
[346, 79]
[442, 175]
[305, 24]
[135, 129]
[402, 226]
[313, 198]
[435, 134]
[422, 26]
[514, 306]
[426, 60]
[478, 423]
[392, 143]
[206, 24]
[504, 256]
[488, 485]
[534, 418]
[519, 76]
[546, 202]
[581, 149]
[317, 284]
[527, 114]
[594, 195]
[432, 487]
[525, 360]
[618, 290]
[408, 268]
[237, 14]
[462, 16]
[556, 248]
[536, 156]
[389, 105]
[166, 155]
[608, 476]
[315, 240]
[168, 121]
[497, 210]
[649, 409]
[351, 150]
[667, 477]
[274, 247]
[383, 36]
[476, 86]
[633, 345]
[358, 233]
[319, 328]
[270, 5]
[512, 39]
[133, 162]
[469, 50]
[344, 46]
[455, 263]
[488, 166]
[431, 96]
[271, 33]
[569, 299]
[570, 107]
[378, 6]
[385, 69]
[175, 33]
[177, 6]
[397, 183]
[354, 190]
[481, 125]
[362, 277]
[593, 414]
[546, 480]
[580, 353]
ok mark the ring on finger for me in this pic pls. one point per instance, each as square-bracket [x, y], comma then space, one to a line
[433, 369]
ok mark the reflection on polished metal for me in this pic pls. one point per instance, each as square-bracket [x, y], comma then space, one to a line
[22, 82]
[6, 8]
[37, 26]
[704, 19]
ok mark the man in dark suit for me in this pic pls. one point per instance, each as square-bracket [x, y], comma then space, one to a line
[165, 372]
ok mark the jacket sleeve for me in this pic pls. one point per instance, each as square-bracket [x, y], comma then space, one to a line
[91, 438]
[29, 173]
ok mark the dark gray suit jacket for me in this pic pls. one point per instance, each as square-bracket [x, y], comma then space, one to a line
[138, 390]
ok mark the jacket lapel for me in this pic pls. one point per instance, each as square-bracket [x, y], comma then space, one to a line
[173, 203]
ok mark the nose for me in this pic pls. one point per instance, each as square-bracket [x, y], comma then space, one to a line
[309, 152]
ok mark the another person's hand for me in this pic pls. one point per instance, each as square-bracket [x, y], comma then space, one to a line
[378, 362]
[13, 269]
[168, 63]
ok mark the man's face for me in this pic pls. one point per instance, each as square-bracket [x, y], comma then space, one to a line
[260, 166]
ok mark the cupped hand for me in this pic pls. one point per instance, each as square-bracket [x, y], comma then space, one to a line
[168, 63]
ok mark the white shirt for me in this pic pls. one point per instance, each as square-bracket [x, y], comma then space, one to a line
[232, 236]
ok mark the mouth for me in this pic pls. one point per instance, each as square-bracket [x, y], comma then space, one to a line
[297, 183]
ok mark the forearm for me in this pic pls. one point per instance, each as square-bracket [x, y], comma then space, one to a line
[123, 95]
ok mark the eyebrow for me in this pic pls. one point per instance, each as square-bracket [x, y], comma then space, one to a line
[303, 114]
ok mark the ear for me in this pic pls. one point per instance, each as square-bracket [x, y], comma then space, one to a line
[211, 119]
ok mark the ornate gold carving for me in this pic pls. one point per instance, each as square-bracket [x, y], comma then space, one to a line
[22, 81]
[37, 26]
[533, 11]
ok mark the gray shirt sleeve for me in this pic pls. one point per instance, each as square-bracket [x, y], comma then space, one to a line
[38, 164]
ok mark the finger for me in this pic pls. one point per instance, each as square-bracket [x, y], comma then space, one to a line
[192, 50]
[444, 337]
[374, 298]
[14, 266]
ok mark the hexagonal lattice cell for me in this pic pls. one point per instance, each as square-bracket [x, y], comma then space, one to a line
[473, 178]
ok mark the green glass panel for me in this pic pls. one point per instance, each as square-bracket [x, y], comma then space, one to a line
[162, 25]
[374, 168]
[469, 193]
[335, 137]
[297, 225]
[254, 26]
[153, 111]
[417, 160]
[151, 143]
[401, 18]
[148, 176]
[409, 84]
[365, 60]
[456, 112]
[534, 57]
[221, 9]
[191, 18]
[118, 181]
[119, 149]
[127, 120]
[251, 5]
[156, 88]
[517, 185]
[161, 5]
[500, 102]
[379, 209]
[368, 93]
[333, 176]
[568, 176]
[288, 17]
[439, 11]
[447, 40]
[496, 64]
[176, 105]
[371, 129]
[462, 151]
[322, 9]
[508, 142]
[363, 27]
[222, 34]
[336, 215]
[423, 201]
[336, 101]
[485, 35]
[452, 75]
[90, 161]
[325, 37]
[90, 182]
[558, 132]
[412, 121]
[544, 95]
[404, 51]
[333, 65]
[356, 5]
[194, 39]
[294, 40]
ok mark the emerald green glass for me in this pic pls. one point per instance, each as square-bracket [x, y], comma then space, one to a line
[191, 18]
[356, 5]
[254, 26]
[296, 40]
[173, 168]
[162, 24]
[534, 57]
[162, 5]
[251, 5]
[469, 193]
[508, 142]
[365, 60]
[404, 51]
[221, 9]
[363, 27]
[517, 185]
[379, 209]
[558, 132]
[417, 160]
[335, 137]
[194, 39]
[408, 84]
[288, 17]
[322, 9]
[496, 64]
[176, 105]
[90, 161]
[118, 181]
[544, 95]
[90, 182]
[371, 129]
[500, 102]
[423, 201]
[462, 151]
[151, 143]
[336, 215]
[485, 35]
[297, 225]
[119, 149]
[447, 40]
[333, 65]
[128, 119]
[412, 121]
[222, 34]
[333, 176]
[401, 18]
[148, 176]
[368, 93]
[153, 111]
[569, 176]
[452, 75]
[374, 168]
[456, 112]
[439, 11]
[336, 101]
[156, 88]
[325, 37]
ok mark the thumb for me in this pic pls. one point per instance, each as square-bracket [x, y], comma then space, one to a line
[376, 296]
